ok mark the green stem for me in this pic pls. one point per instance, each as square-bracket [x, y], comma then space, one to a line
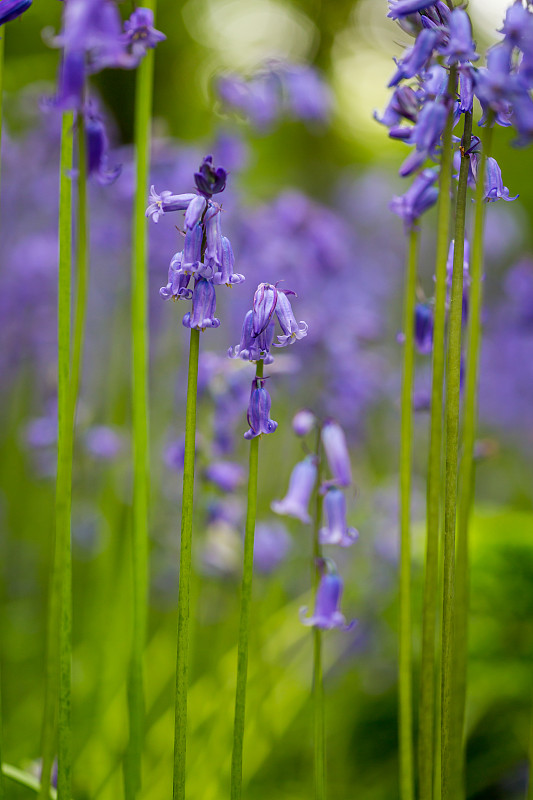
[140, 422]
[2, 40]
[426, 738]
[244, 626]
[406, 458]
[182, 667]
[449, 776]
[318, 677]
[82, 268]
[64, 466]
[467, 474]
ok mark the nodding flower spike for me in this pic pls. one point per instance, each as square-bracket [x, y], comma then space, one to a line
[194, 212]
[253, 348]
[210, 180]
[336, 450]
[291, 329]
[259, 411]
[264, 305]
[303, 422]
[301, 485]
[337, 531]
[226, 274]
[203, 307]
[327, 613]
[159, 204]
[423, 328]
[11, 9]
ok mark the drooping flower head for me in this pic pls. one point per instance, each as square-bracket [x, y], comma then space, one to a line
[301, 485]
[259, 411]
[336, 531]
[327, 613]
[336, 451]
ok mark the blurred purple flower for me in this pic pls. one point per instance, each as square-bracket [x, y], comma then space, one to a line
[303, 422]
[103, 442]
[301, 485]
[336, 451]
[272, 544]
[336, 531]
[227, 475]
[327, 614]
[140, 34]
[11, 9]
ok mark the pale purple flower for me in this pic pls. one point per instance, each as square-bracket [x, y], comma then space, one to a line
[194, 211]
[271, 546]
[226, 274]
[292, 330]
[204, 302]
[301, 485]
[140, 34]
[177, 280]
[336, 531]
[97, 149]
[258, 415]
[166, 201]
[327, 614]
[416, 58]
[459, 47]
[254, 348]
[303, 422]
[103, 442]
[264, 305]
[308, 96]
[336, 451]
[401, 8]
[494, 188]
[421, 195]
[227, 475]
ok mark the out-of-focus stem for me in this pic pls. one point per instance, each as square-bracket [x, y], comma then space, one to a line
[426, 739]
[318, 676]
[140, 414]
[467, 473]
[244, 627]
[449, 777]
[406, 457]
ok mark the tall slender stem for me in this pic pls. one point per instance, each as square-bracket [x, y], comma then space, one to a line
[406, 458]
[82, 267]
[182, 666]
[140, 420]
[318, 677]
[467, 473]
[426, 738]
[2, 40]
[64, 467]
[244, 626]
[453, 379]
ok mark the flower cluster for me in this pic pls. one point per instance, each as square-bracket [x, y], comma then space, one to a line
[257, 338]
[93, 38]
[302, 484]
[207, 255]
[278, 88]
[426, 91]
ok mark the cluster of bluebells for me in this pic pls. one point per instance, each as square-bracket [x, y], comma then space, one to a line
[207, 256]
[302, 484]
[93, 38]
[279, 88]
[257, 339]
[425, 92]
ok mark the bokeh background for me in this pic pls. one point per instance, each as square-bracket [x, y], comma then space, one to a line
[307, 203]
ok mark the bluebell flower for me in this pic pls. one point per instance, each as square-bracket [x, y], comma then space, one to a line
[292, 330]
[103, 442]
[254, 348]
[523, 117]
[423, 328]
[336, 451]
[97, 149]
[336, 531]
[259, 411]
[227, 475]
[416, 58]
[518, 27]
[459, 47]
[258, 99]
[210, 180]
[494, 83]
[421, 195]
[401, 8]
[466, 87]
[213, 237]
[166, 201]
[194, 211]
[140, 34]
[404, 104]
[11, 9]
[433, 83]
[70, 84]
[303, 422]
[301, 485]
[271, 546]
[177, 280]
[264, 305]
[308, 96]
[494, 188]
[226, 274]
[192, 263]
[426, 135]
[327, 614]
[203, 307]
